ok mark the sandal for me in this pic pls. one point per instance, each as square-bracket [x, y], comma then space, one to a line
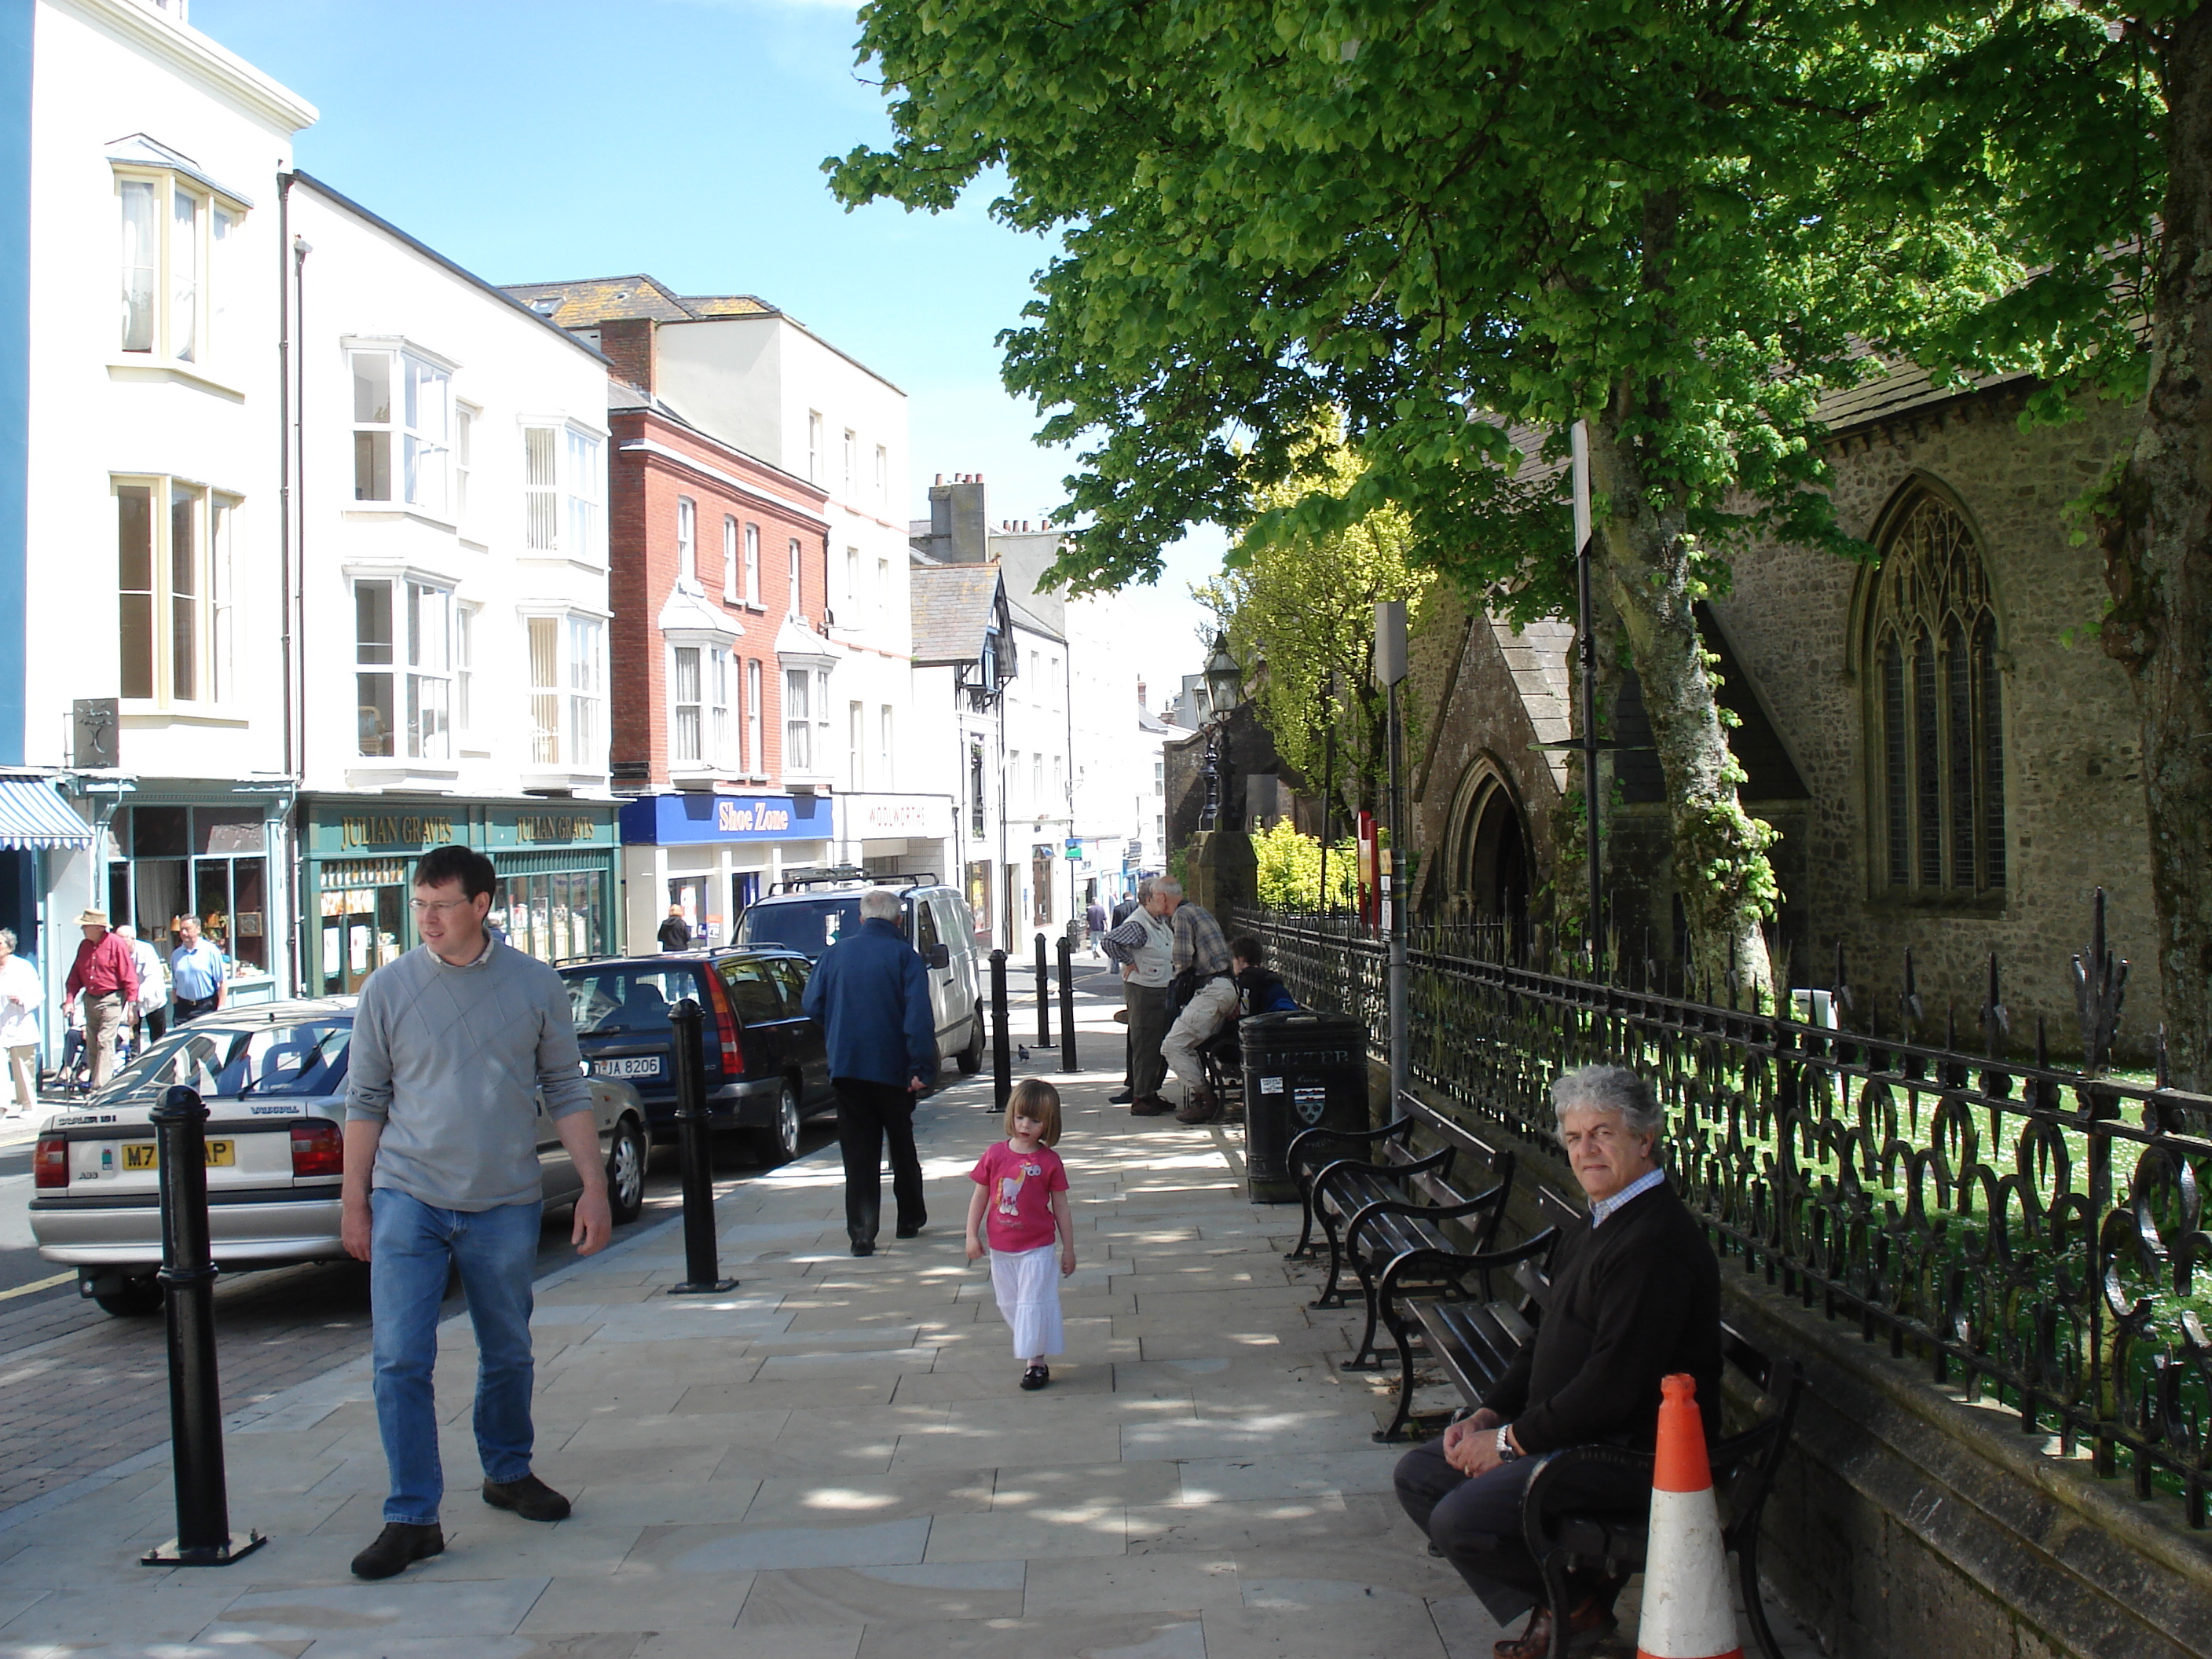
[1035, 1377]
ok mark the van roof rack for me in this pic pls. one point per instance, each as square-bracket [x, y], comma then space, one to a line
[825, 875]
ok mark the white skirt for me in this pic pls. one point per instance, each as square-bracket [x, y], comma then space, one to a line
[1027, 1284]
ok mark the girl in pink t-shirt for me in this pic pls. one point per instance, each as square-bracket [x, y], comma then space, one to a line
[1019, 1207]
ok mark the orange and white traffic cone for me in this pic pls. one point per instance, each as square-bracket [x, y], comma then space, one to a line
[1686, 1611]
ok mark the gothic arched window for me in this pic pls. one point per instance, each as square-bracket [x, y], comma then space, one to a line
[1937, 719]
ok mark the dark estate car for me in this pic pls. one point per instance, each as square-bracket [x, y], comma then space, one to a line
[767, 1067]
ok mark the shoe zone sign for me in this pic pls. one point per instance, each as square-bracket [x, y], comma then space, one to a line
[691, 817]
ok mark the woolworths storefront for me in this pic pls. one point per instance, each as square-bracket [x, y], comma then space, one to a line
[556, 861]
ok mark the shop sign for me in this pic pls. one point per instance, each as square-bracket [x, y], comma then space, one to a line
[871, 817]
[688, 819]
[393, 829]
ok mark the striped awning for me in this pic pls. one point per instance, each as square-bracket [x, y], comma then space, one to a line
[32, 815]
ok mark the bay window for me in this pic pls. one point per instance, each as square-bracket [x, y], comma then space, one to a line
[699, 706]
[174, 593]
[175, 237]
[684, 713]
[561, 493]
[403, 668]
[798, 722]
[565, 690]
[401, 428]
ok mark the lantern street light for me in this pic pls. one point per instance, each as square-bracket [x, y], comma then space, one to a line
[1225, 685]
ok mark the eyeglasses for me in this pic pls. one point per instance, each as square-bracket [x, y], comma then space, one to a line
[427, 907]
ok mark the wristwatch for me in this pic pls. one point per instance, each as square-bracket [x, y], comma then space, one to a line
[1507, 1451]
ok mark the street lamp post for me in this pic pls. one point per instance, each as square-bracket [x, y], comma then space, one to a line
[1224, 683]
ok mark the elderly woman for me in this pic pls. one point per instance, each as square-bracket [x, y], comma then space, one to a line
[1635, 1296]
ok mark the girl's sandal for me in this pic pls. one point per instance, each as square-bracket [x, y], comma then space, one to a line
[1035, 1377]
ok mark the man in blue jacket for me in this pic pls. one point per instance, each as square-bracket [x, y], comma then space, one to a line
[870, 994]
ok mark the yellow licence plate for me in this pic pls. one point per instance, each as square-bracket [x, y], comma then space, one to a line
[146, 1155]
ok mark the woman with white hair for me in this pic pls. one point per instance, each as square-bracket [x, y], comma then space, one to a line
[20, 996]
[1635, 1298]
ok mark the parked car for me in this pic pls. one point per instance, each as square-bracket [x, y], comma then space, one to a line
[767, 1065]
[273, 1078]
[812, 909]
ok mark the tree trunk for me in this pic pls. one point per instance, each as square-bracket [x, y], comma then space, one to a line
[2157, 537]
[1721, 869]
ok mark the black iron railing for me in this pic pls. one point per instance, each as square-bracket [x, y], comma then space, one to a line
[2036, 1235]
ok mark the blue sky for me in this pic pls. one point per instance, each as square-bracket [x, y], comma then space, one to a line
[684, 138]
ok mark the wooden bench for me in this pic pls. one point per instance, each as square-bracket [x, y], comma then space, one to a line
[1378, 1210]
[1481, 1307]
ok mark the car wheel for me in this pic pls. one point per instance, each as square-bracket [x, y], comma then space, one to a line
[779, 1142]
[626, 1173]
[137, 1297]
[971, 1058]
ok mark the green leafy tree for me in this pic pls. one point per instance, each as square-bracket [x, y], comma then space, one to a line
[1289, 873]
[1303, 603]
[1464, 225]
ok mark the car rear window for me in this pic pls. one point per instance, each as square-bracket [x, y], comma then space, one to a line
[808, 926]
[306, 1059]
[609, 1000]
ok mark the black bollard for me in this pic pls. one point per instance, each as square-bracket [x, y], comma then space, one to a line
[1044, 997]
[1066, 1004]
[203, 1536]
[1002, 1052]
[702, 1270]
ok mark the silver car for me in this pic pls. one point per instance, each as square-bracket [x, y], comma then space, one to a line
[273, 1078]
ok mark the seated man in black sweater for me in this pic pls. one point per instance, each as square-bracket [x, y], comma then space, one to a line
[1635, 1296]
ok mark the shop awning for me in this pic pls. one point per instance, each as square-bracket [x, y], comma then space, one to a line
[32, 815]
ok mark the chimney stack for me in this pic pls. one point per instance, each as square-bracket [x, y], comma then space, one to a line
[629, 343]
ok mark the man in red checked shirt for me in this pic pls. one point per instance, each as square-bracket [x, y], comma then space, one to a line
[107, 975]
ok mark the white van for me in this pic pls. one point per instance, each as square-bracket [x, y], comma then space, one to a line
[811, 908]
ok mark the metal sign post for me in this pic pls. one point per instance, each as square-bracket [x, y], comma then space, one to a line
[1390, 668]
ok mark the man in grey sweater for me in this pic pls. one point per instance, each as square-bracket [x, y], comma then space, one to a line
[453, 1044]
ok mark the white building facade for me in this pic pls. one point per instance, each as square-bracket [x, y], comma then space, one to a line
[154, 700]
[452, 603]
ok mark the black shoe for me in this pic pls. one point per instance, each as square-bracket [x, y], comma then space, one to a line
[1035, 1377]
[909, 1232]
[1122, 1099]
[397, 1545]
[529, 1498]
[864, 1247]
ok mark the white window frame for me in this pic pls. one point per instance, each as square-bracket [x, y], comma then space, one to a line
[856, 743]
[814, 445]
[797, 722]
[186, 290]
[795, 598]
[415, 667]
[567, 723]
[189, 607]
[687, 539]
[465, 417]
[563, 513]
[687, 678]
[883, 473]
[585, 642]
[853, 595]
[852, 462]
[730, 560]
[755, 756]
[886, 769]
[417, 444]
[465, 618]
[753, 567]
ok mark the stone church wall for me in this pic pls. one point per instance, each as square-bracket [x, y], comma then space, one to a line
[2073, 791]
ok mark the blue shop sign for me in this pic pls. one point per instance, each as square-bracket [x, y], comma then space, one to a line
[688, 819]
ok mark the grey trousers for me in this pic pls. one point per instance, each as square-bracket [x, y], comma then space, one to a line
[1477, 1523]
[1148, 1028]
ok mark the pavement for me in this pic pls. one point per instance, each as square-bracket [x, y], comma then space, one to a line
[833, 1460]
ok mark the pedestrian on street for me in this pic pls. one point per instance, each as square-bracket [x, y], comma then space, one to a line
[1126, 906]
[1202, 994]
[675, 933]
[20, 996]
[106, 975]
[870, 994]
[1094, 920]
[150, 1013]
[454, 1044]
[1019, 1207]
[1143, 945]
[198, 967]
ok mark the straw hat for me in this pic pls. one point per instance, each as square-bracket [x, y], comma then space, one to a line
[93, 919]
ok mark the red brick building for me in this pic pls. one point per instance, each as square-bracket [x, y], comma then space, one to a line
[718, 661]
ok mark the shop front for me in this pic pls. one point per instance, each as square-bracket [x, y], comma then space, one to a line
[215, 852]
[709, 855]
[555, 860]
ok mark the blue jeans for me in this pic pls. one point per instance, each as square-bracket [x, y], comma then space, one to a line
[410, 1243]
